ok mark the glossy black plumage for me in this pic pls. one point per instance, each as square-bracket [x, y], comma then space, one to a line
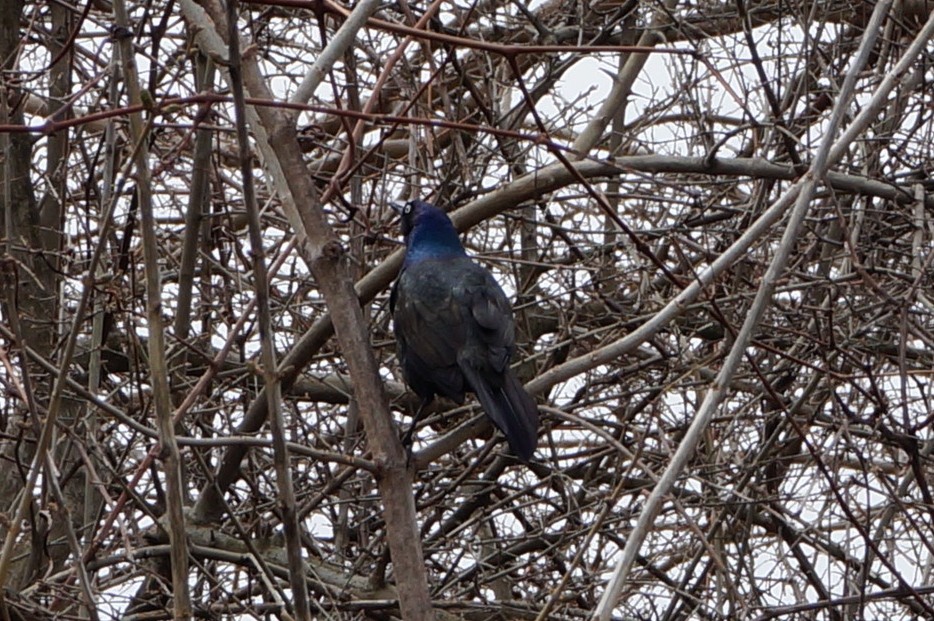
[454, 327]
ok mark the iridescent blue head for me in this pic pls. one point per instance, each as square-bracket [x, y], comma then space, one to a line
[429, 232]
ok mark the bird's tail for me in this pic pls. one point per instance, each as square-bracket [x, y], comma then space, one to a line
[512, 409]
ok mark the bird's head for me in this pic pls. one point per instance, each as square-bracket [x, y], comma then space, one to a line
[428, 228]
[418, 213]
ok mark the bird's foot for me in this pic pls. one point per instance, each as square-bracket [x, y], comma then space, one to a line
[407, 445]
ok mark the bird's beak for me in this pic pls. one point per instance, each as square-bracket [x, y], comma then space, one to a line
[397, 207]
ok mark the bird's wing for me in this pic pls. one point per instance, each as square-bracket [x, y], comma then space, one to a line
[491, 312]
[485, 363]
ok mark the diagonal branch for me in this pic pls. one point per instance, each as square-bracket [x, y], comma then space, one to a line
[803, 192]
[276, 137]
[159, 376]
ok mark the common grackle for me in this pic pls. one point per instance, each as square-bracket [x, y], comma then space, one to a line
[454, 328]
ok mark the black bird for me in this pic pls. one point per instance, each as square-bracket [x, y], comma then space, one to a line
[454, 328]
